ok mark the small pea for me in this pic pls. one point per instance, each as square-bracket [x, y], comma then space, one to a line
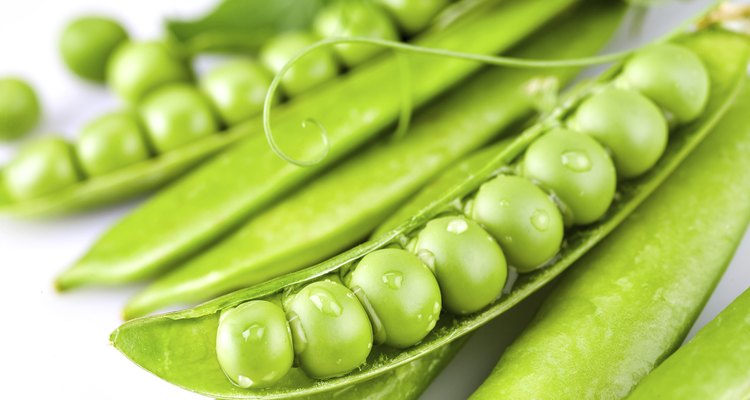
[87, 43]
[136, 68]
[310, 71]
[176, 115]
[237, 89]
[413, 16]
[19, 108]
[254, 344]
[331, 331]
[577, 169]
[522, 218]
[355, 18]
[111, 142]
[403, 293]
[671, 76]
[469, 265]
[40, 168]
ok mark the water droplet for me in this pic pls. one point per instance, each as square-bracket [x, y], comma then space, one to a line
[436, 307]
[503, 203]
[324, 302]
[244, 382]
[338, 361]
[457, 226]
[540, 219]
[576, 161]
[427, 258]
[508, 239]
[431, 325]
[420, 316]
[254, 333]
[393, 279]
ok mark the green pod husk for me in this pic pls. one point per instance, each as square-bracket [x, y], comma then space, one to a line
[338, 209]
[188, 336]
[207, 203]
[630, 301]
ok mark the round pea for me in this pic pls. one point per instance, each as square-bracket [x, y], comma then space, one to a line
[331, 331]
[237, 89]
[136, 68]
[403, 294]
[672, 76]
[41, 167]
[355, 18]
[176, 115]
[254, 344]
[469, 265]
[626, 122]
[111, 142]
[413, 15]
[522, 218]
[577, 169]
[88, 42]
[19, 108]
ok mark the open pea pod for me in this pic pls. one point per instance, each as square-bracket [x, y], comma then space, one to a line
[180, 346]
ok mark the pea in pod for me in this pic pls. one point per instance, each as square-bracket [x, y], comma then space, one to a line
[186, 333]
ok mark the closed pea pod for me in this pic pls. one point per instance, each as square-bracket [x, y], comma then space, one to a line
[111, 142]
[522, 218]
[19, 108]
[176, 115]
[627, 123]
[413, 15]
[469, 265]
[331, 331]
[87, 43]
[136, 68]
[401, 292]
[310, 71]
[576, 169]
[41, 167]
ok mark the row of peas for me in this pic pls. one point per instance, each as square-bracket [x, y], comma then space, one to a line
[394, 296]
[169, 112]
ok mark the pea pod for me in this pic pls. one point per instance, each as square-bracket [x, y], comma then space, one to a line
[630, 301]
[188, 336]
[360, 193]
[240, 182]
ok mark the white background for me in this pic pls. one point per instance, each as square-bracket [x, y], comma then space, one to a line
[54, 346]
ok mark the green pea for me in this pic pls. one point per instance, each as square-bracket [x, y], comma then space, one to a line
[522, 218]
[577, 169]
[176, 115]
[626, 122]
[41, 167]
[111, 142]
[310, 71]
[254, 344]
[88, 42]
[670, 75]
[355, 18]
[469, 265]
[413, 15]
[237, 89]
[402, 293]
[136, 68]
[331, 331]
[19, 108]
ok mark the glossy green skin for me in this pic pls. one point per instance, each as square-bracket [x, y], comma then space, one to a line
[137, 68]
[41, 167]
[413, 16]
[522, 218]
[19, 108]
[715, 364]
[577, 169]
[670, 75]
[176, 115]
[87, 43]
[215, 198]
[403, 293]
[355, 18]
[111, 142]
[254, 344]
[362, 191]
[469, 264]
[331, 331]
[630, 301]
[310, 71]
[628, 124]
[237, 89]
